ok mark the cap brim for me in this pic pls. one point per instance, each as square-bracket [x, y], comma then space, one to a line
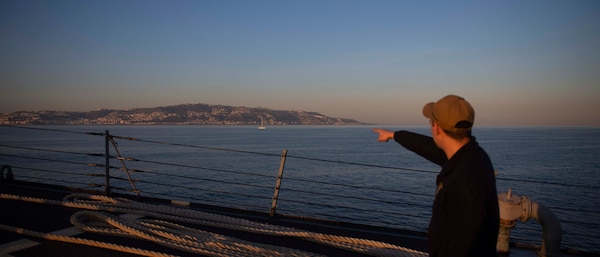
[428, 110]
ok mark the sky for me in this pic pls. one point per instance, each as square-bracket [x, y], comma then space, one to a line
[519, 63]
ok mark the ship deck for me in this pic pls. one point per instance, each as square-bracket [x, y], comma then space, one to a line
[55, 220]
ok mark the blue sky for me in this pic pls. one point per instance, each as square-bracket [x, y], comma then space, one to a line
[517, 62]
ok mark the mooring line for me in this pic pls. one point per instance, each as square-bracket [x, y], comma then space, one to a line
[232, 245]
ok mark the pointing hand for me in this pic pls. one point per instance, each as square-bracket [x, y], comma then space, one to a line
[384, 134]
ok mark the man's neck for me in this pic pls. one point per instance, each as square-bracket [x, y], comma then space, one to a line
[453, 145]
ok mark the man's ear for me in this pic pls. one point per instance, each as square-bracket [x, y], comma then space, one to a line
[437, 129]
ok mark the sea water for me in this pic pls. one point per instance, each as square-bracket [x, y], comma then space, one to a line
[333, 172]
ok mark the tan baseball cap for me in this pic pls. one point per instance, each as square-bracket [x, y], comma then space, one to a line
[452, 113]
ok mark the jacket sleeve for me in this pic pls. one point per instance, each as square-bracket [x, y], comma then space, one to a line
[421, 145]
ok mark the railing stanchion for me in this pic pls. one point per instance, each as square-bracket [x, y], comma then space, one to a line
[278, 183]
[107, 162]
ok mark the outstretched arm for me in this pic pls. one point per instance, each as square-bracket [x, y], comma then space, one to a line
[420, 144]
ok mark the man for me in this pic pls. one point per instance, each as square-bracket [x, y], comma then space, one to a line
[465, 218]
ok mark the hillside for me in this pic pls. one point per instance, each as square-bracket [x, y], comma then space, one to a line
[194, 114]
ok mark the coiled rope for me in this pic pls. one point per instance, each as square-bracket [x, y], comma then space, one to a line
[177, 236]
[193, 240]
[81, 241]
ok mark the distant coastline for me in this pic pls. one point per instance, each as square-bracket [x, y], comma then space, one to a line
[183, 114]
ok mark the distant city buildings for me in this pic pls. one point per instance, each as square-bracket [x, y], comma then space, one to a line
[193, 114]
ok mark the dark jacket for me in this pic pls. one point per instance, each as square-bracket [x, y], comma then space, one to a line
[465, 216]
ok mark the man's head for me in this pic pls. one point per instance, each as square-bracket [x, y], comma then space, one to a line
[453, 114]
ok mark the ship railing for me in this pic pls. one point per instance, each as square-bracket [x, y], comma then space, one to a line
[276, 183]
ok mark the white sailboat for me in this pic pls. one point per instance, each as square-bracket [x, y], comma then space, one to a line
[262, 124]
